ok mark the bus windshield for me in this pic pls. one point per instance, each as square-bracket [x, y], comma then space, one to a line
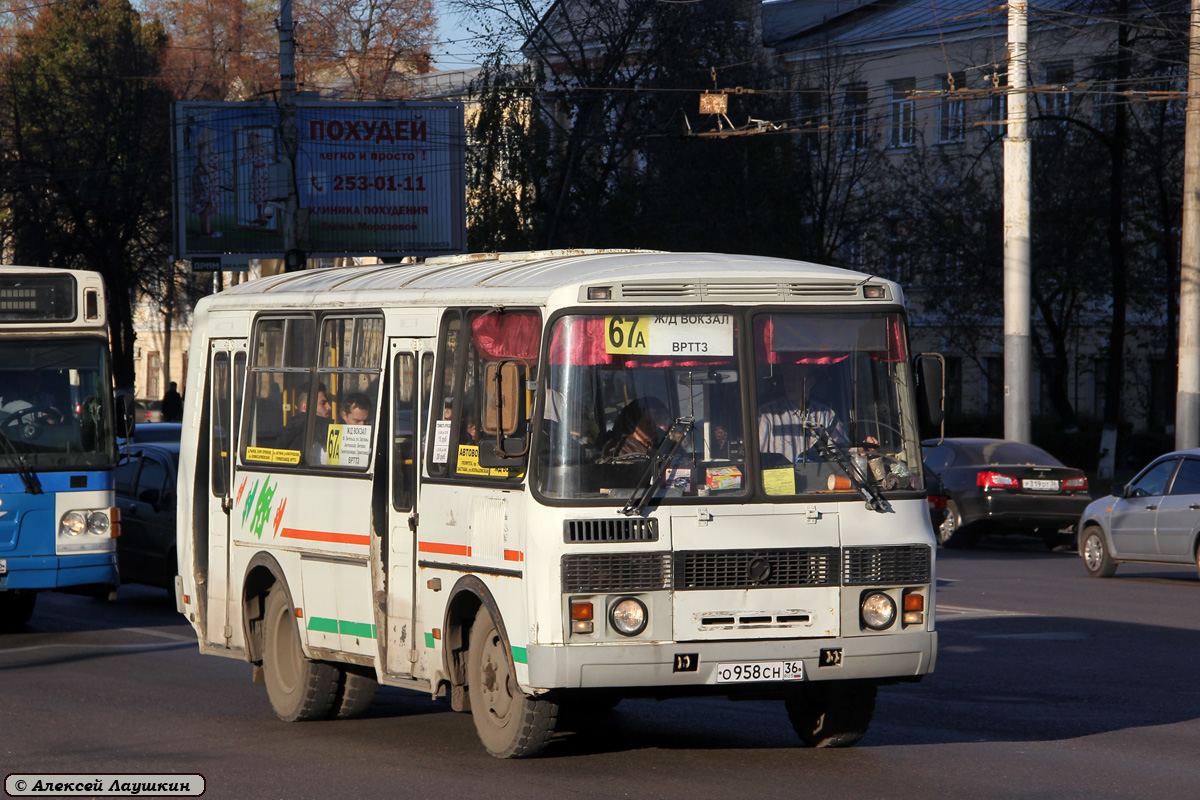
[828, 394]
[55, 404]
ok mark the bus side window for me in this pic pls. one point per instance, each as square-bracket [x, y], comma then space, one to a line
[404, 381]
[283, 351]
[350, 363]
[442, 437]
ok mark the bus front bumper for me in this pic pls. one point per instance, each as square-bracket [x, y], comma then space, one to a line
[57, 572]
[694, 664]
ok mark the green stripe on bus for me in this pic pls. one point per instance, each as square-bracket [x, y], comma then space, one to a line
[429, 640]
[326, 625]
[519, 655]
[359, 629]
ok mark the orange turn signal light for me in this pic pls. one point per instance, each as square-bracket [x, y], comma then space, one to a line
[582, 611]
[914, 602]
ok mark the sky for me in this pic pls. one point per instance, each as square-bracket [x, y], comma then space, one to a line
[454, 48]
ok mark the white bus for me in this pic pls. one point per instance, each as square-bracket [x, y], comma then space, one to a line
[541, 481]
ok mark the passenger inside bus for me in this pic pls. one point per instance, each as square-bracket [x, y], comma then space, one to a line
[292, 436]
[639, 428]
[786, 422]
[356, 409]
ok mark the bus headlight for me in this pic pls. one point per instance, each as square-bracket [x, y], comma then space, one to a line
[73, 523]
[98, 523]
[628, 616]
[878, 611]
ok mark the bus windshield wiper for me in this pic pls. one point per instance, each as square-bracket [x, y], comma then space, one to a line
[32, 484]
[655, 472]
[839, 455]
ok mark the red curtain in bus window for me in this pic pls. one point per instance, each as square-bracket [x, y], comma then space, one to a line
[896, 348]
[507, 336]
[579, 341]
[765, 351]
[827, 339]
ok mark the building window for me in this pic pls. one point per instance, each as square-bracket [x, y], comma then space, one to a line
[154, 375]
[953, 386]
[1161, 410]
[1099, 385]
[854, 116]
[994, 385]
[1045, 399]
[952, 109]
[997, 112]
[1058, 77]
[808, 119]
[904, 109]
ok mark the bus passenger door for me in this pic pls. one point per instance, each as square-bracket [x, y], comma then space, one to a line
[409, 359]
[227, 366]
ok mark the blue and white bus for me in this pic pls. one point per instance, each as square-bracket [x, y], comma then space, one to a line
[58, 523]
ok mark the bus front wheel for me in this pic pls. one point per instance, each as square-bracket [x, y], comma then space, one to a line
[831, 714]
[510, 724]
[300, 688]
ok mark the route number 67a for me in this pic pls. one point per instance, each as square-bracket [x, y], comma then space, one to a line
[628, 335]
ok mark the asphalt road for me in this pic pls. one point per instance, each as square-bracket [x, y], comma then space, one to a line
[1049, 684]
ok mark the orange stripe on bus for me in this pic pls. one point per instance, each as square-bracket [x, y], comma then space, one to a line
[326, 536]
[514, 555]
[445, 549]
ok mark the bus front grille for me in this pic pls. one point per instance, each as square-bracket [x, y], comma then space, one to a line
[756, 569]
[623, 529]
[616, 572]
[872, 566]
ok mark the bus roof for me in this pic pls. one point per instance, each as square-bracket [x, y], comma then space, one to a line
[537, 278]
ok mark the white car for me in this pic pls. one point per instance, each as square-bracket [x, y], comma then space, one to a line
[1154, 518]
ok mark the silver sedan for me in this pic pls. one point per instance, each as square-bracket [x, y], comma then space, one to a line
[1155, 517]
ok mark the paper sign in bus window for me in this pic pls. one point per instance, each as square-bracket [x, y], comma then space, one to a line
[441, 441]
[669, 335]
[348, 445]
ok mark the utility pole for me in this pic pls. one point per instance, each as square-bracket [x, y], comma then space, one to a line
[293, 258]
[1187, 396]
[1017, 176]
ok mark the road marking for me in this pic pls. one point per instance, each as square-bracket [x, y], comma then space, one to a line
[145, 646]
[162, 634]
[949, 613]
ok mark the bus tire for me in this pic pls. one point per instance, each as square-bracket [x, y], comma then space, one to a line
[355, 694]
[15, 610]
[831, 713]
[510, 724]
[300, 689]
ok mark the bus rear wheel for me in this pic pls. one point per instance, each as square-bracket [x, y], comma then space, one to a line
[300, 689]
[15, 610]
[831, 714]
[355, 694]
[510, 724]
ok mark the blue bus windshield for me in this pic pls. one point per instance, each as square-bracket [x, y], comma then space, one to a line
[55, 404]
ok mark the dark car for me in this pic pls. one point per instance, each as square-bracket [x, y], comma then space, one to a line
[149, 410]
[980, 486]
[146, 496]
[155, 432]
[1155, 517]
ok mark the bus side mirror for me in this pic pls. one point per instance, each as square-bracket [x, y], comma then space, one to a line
[502, 398]
[126, 415]
[504, 402]
[930, 369]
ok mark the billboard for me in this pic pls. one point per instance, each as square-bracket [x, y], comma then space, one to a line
[382, 179]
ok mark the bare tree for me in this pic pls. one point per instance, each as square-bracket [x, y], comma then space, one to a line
[367, 45]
